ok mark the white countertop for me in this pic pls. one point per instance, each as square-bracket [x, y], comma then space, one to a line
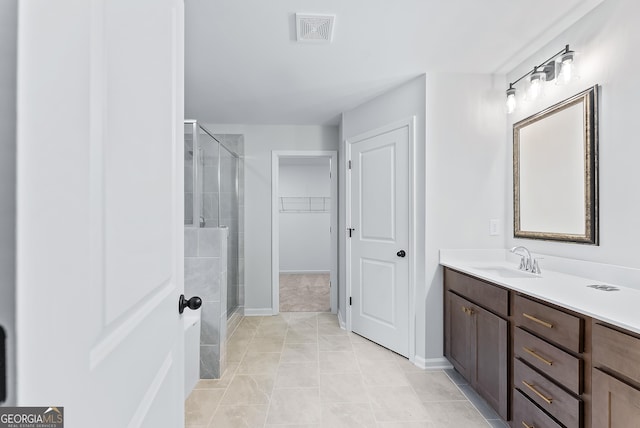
[620, 308]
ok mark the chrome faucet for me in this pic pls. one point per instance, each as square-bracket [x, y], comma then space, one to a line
[527, 263]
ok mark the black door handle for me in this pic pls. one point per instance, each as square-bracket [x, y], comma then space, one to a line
[401, 253]
[193, 303]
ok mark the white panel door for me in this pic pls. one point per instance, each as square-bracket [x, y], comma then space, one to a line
[100, 211]
[379, 209]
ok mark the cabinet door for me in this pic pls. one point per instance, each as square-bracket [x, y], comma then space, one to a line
[491, 348]
[615, 404]
[458, 334]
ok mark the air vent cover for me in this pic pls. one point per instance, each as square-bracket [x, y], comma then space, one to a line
[314, 28]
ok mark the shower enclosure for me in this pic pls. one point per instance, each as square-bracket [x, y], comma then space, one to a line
[212, 184]
[213, 180]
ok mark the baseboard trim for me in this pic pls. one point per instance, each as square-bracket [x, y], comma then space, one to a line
[302, 272]
[432, 363]
[343, 325]
[257, 312]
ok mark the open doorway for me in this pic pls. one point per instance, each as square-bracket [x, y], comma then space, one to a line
[304, 225]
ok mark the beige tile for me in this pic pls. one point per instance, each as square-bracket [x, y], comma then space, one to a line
[356, 338]
[273, 321]
[454, 414]
[200, 406]
[269, 344]
[299, 352]
[372, 351]
[293, 426]
[303, 320]
[434, 386]
[294, 406]
[338, 362]
[223, 382]
[243, 333]
[382, 373]
[397, 403]
[272, 331]
[330, 329]
[259, 363]
[249, 390]
[327, 318]
[342, 388]
[408, 367]
[297, 375]
[411, 424]
[236, 348]
[335, 343]
[250, 322]
[347, 415]
[239, 417]
[301, 335]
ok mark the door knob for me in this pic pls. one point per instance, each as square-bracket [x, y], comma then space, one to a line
[193, 303]
[401, 253]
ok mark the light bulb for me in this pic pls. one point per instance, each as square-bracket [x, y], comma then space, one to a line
[511, 99]
[535, 84]
[566, 67]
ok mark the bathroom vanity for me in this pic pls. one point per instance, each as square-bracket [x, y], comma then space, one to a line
[545, 351]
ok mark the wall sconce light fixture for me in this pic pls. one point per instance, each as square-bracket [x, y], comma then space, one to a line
[560, 67]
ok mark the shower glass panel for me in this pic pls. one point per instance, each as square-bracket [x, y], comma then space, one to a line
[229, 218]
[211, 194]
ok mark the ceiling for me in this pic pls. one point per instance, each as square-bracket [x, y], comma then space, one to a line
[243, 65]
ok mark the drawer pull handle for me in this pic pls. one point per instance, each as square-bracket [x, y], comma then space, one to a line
[526, 425]
[538, 393]
[467, 311]
[535, 355]
[539, 321]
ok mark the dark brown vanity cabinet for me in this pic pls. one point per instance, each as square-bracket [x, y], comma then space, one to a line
[548, 361]
[477, 336]
[616, 377]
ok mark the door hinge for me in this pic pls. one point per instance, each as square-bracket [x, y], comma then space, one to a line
[350, 301]
[349, 164]
[350, 229]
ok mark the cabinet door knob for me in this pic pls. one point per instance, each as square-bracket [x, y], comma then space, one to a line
[193, 303]
[401, 253]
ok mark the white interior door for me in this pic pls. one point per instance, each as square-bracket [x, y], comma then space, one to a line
[100, 184]
[379, 244]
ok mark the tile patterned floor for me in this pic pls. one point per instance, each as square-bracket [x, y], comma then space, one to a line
[307, 292]
[301, 370]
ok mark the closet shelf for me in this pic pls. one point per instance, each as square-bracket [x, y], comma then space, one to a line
[304, 204]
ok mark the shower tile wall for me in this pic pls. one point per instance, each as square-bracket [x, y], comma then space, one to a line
[205, 268]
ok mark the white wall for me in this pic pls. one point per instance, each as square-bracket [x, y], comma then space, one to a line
[606, 40]
[466, 178]
[400, 103]
[461, 158]
[305, 238]
[8, 40]
[260, 141]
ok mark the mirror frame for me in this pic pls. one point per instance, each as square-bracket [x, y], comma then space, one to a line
[589, 100]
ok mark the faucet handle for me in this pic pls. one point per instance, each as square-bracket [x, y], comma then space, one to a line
[536, 267]
[523, 264]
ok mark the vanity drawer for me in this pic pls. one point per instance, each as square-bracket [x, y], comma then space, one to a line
[616, 350]
[493, 298]
[550, 397]
[554, 362]
[528, 415]
[557, 326]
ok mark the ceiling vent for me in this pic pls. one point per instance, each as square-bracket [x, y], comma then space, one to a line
[314, 28]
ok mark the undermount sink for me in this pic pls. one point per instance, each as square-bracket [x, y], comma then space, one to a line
[505, 272]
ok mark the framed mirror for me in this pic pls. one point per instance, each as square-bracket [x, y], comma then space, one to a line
[555, 172]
